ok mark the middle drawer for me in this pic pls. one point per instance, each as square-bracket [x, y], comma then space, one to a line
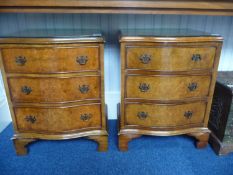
[167, 87]
[50, 89]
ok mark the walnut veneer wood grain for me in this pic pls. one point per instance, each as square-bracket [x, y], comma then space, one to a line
[58, 120]
[52, 60]
[158, 115]
[60, 89]
[170, 58]
[166, 87]
[55, 88]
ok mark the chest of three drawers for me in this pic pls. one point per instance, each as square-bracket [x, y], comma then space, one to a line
[55, 89]
[167, 86]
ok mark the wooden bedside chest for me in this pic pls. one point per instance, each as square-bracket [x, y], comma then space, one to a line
[167, 83]
[55, 86]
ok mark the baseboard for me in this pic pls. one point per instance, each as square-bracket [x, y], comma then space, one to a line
[5, 118]
[111, 99]
[3, 100]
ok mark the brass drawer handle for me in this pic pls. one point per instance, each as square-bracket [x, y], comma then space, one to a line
[142, 115]
[20, 60]
[188, 114]
[192, 86]
[30, 118]
[144, 87]
[82, 60]
[84, 89]
[145, 58]
[26, 90]
[85, 117]
[196, 57]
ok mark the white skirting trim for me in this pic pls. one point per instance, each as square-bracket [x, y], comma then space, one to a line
[2, 102]
[112, 98]
[5, 118]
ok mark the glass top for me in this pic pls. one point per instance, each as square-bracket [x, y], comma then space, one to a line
[58, 33]
[164, 32]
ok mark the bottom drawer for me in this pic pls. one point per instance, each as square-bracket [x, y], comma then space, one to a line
[161, 115]
[58, 119]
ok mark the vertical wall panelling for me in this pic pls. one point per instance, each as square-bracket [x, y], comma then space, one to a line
[110, 24]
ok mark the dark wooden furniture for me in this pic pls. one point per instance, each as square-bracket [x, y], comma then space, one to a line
[221, 115]
[203, 7]
[55, 86]
[167, 83]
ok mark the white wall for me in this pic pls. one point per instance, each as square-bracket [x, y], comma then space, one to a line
[110, 24]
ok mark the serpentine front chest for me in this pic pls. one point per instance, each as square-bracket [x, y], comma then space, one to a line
[167, 83]
[55, 85]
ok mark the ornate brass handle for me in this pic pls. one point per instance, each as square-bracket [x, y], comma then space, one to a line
[192, 86]
[30, 118]
[142, 115]
[26, 90]
[188, 114]
[145, 58]
[85, 117]
[20, 60]
[144, 87]
[196, 57]
[84, 89]
[82, 60]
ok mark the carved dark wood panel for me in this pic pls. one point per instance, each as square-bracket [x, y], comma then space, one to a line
[220, 110]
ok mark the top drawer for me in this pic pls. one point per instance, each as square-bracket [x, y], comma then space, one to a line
[170, 58]
[51, 60]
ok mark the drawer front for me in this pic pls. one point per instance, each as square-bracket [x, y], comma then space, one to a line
[55, 120]
[51, 60]
[54, 89]
[154, 115]
[170, 58]
[167, 87]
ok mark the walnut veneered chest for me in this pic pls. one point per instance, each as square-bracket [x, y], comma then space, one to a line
[55, 86]
[167, 83]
